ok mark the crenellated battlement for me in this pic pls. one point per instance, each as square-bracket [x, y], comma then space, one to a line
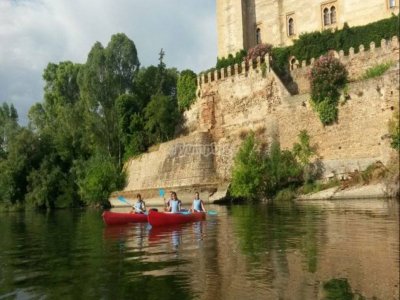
[356, 62]
[237, 69]
[386, 46]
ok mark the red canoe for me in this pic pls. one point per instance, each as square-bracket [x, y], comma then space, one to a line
[163, 219]
[114, 218]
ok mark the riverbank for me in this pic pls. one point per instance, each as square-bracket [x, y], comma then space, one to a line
[371, 191]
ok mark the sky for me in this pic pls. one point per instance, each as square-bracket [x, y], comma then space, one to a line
[36, 32]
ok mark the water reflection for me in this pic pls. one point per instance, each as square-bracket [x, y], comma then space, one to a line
[308, 250]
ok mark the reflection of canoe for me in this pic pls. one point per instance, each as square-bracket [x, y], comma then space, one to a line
[114, 218]
[163, 219]
[160, 232]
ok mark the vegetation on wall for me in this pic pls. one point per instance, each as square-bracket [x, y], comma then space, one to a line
[376, 70]
[259, 173]
[394, 130]
[314, 44]
[328, 76]
[231, 60]
[93, 116]
[258, 51]
[186, 89]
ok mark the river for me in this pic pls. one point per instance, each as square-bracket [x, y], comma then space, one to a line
[302, 250]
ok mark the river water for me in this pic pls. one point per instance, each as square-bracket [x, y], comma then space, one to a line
[309, 250]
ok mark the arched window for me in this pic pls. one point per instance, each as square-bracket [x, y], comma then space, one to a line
[392, 3]
[326, 17]
[333, 15]
[258, 36]
[293, 63]
[290, 26]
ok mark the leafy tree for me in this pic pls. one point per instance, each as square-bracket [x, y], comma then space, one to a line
[24, 153]
[281, 170]
[97, 178]
[162, 116]
[186, 89]
[8, 126]
[248, 170]
[131, 125]
[258, 173]
[49, 186]
[107, 74]
[122, 64]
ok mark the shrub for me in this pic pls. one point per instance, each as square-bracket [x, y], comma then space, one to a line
[394, 130]
[97, 178]
[327, 77]
[247, 174]
[231, 60]
[376, 71]
[186, 89]
[258, 173]
[259, 50]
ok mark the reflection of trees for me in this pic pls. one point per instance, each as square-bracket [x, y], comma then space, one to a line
[66, 255]
[266, 232]
[339, 289]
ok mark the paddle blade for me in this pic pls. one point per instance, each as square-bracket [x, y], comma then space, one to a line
[161, 192]
[212, 212]
[122, 199]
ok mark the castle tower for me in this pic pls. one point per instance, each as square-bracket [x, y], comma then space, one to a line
[242, 24]
[230, 26]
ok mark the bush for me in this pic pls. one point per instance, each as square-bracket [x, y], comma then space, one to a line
[99, 177]
[259, 50]
[327, 77]
[394, 129]
[257, 174]
[186, 89]
[247, 174]
[231, 60]
[376, 71]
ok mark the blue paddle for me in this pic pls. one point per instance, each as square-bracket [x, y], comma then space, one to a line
[212, 212]
[161, 192]
[122, 199]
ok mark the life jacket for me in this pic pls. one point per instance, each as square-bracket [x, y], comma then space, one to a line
[197, 205]
[139, 206]
[174, 205]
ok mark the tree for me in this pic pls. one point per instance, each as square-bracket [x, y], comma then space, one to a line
[8, 126]
[99, 176]
[248, 170]
[162, 116]
[107, 74]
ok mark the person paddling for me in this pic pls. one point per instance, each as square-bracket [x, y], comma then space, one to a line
[139, 207]
[174, 204]
[198, 204]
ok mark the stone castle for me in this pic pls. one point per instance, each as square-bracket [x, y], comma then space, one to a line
[250, 97]
[241, 24]
[235, 100]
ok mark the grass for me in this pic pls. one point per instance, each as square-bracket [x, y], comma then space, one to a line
[317, 186]
[376, 71]
[285, 195]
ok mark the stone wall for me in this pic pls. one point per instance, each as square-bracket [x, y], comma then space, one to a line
[356, 63]
[250, 101]
[185, 164]
[241, 98]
